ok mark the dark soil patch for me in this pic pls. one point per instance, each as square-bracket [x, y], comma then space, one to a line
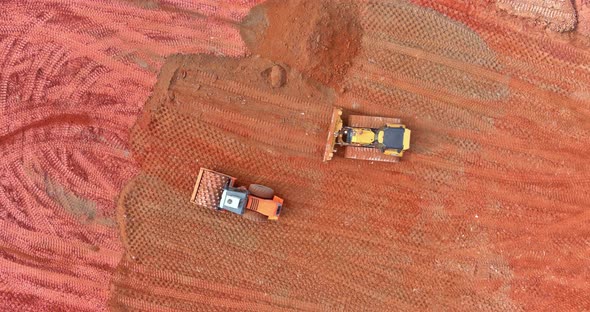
[319, 38]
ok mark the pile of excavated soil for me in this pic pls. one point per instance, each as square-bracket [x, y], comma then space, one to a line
[319, 38]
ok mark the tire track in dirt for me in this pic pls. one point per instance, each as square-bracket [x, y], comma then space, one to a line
[44, 48]
[306, 130]
[520, 50]
[455, 221]
[557, 15]
[229, 157]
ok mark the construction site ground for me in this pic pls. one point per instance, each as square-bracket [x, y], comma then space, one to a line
[109, 110]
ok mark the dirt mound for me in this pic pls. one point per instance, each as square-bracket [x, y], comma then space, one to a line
[319, 38]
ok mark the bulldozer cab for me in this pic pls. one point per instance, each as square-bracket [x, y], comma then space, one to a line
[394, 141]
[392, 138]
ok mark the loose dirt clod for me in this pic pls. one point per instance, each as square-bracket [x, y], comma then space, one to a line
[277, 76]
[319, 38]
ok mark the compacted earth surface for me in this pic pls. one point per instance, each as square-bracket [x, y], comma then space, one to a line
[487, 211]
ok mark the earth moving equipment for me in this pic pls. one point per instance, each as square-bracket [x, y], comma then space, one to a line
[367, 137]
[217, 191]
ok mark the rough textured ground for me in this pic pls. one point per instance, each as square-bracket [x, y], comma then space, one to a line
[489, 210]
[319, 38]
[557, 15]
[73, 78]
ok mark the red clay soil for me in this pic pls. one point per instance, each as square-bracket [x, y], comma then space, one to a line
[73, 78]
[319, 38]
[557, 15]
[488, 210]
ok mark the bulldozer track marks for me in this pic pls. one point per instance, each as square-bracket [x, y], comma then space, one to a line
[486, 211]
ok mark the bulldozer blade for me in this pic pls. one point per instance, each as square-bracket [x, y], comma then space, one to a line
[335, 127]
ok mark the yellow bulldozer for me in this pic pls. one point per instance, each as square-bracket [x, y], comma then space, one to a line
[367, 137]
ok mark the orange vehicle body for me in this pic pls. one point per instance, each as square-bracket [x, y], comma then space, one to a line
[217, 191]
[267, 207]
